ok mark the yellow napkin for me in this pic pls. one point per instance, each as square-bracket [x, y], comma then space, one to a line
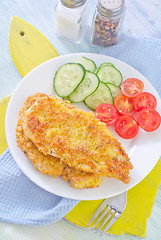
[3, 107]
[140, 199]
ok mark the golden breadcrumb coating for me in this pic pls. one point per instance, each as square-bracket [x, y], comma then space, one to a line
[48, 164]
[76, 137]
[79, 179]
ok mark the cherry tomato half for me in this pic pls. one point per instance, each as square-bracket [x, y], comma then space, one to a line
[124, 105]
[145, 100]
[126, 127]
[106, 113]
[149, 119]
[131, 87]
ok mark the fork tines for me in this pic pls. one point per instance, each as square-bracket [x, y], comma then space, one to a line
[106, 214]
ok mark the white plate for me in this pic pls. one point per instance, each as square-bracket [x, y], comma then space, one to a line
[144, 150]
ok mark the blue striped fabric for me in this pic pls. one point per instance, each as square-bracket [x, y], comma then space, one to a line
[143, 54]
[23, 202]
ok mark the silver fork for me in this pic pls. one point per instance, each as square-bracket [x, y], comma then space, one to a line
[108, 212]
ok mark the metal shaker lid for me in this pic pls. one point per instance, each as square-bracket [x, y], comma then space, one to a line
[111, 7]
[72, 3]
[111, 4]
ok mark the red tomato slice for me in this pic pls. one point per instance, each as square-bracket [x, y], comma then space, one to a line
[131, 87]
[126, 127]
[124, 105]
[145, 100]
[149, 119]
[106, 113]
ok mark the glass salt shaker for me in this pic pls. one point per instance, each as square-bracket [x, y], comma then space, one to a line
[71, 19]
[107, 22]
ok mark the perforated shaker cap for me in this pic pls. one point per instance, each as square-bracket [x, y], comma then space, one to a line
[112, 7]
[72, 3]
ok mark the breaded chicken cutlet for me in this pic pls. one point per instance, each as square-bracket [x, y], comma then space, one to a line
[79, 179]
[75, 136]
[48, 164]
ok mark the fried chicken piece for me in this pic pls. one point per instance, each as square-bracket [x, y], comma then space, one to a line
[79, 179]
[76, 137]
[48, 164]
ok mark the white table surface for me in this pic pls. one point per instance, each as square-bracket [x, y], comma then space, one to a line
[142, 19]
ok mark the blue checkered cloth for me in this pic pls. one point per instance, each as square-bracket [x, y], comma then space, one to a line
[23, 202]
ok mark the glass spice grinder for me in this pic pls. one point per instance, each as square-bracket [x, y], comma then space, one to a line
[107, 22]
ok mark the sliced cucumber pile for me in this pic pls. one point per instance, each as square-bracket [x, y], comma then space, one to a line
[109, 74]
[79, 81]
[101, 95]
[85, 88]
[87, 63]
[67, 78]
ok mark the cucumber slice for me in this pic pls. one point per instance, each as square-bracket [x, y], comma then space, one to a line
[85, 88]
[110, 74]
[67, 78]
[115, 90]
[87, 63]
[66, 98]
[101, 95]
[106, 63]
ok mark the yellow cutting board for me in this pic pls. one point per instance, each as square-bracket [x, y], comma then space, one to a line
[28, 49]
